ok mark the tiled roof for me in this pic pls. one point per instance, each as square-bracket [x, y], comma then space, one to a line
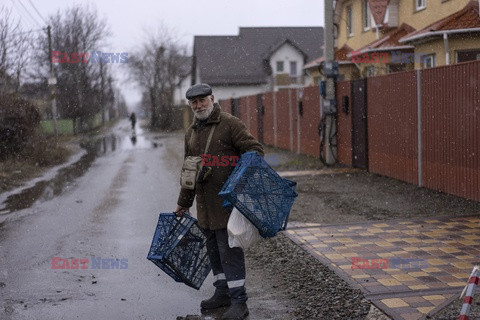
[378, 8]
[340, 55]
[234, 60]
[467, 18]
[390, 40]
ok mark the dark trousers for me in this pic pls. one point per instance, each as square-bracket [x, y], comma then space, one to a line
[228, 265]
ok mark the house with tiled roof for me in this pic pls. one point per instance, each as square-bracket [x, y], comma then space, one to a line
[398, 35]
[453, 39]
[257, 60]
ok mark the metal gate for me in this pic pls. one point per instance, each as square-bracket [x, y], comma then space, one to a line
[359, 124]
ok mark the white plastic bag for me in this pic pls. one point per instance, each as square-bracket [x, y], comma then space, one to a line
[241, 232]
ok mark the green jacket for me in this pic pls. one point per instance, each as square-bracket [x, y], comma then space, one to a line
[230, 138]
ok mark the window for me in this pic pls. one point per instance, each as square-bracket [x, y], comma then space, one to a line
[428, 61]
[349, 21]
[468, 55]
[366, 15]
[279, 66]
[293, 68]
[420, 4]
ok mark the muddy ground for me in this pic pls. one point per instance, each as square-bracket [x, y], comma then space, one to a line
[362, 196]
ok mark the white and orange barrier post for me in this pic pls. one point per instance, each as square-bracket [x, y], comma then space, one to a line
[469, 291]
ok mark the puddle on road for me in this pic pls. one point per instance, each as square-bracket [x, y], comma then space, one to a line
[47, 189]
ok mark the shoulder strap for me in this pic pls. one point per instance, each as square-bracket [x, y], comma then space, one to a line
[208, 140]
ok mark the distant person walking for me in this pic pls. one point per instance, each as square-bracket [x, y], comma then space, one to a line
[133, 119]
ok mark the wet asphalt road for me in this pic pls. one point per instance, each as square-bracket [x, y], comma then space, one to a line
[103, 205]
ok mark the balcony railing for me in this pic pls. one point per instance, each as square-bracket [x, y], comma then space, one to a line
[284, 79]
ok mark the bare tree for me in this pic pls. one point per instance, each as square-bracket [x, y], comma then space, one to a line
[156, 67]
[79, 90]
[14, 51]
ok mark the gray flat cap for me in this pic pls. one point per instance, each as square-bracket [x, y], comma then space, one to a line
[198, 90]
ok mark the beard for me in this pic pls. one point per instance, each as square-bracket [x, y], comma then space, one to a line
[202, 115]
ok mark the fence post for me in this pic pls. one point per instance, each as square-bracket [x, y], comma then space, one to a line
[274, 119]
[291, 117]
[248, 113]
[299, 132]
[419, 127]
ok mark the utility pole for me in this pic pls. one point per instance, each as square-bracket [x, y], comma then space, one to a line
[330, 70]
[52, 83]
[102, 87]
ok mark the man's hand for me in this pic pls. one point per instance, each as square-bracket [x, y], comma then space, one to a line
[180, 211]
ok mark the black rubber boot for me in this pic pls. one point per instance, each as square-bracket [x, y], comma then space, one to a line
[218, 300]
[237, 311]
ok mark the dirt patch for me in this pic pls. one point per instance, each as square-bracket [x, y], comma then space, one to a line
[357, 197]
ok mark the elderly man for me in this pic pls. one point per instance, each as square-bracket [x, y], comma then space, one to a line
[229, 139]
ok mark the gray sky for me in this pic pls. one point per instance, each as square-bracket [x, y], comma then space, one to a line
[128, 20]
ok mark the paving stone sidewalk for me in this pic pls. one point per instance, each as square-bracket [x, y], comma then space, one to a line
[443, 253]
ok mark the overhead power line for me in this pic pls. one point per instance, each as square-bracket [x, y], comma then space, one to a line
[22, 17]
[25, 8]
[30, 31]
[38, 12]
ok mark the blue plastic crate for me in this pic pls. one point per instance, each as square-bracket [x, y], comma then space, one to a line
[179, 249]
[260, 194]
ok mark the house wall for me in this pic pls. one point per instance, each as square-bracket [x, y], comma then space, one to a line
[435, 10]
[428, 48]
[360, 36]
[349, 72]
[179, 95]
[287, 53]
[455, 43]
[407, 13]
[462, 42]
[197, 75]
[226, 92]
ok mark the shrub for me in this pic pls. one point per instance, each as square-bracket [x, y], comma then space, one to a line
[18, 120]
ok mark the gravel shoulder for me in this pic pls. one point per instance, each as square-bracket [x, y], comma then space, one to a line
[313, 290]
